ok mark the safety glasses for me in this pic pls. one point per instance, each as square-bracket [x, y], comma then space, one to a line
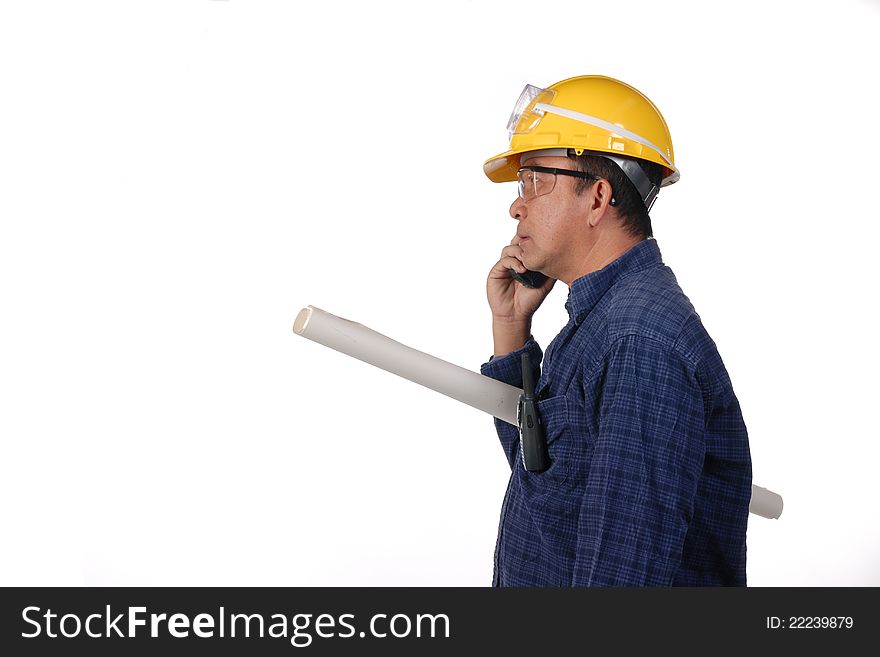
[526, 115]
[538, 181]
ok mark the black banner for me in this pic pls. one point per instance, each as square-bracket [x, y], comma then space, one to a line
[435, 621]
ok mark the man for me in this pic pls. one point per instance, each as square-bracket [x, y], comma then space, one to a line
[650, 472]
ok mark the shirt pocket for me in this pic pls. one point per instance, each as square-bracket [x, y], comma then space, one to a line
[552, 495]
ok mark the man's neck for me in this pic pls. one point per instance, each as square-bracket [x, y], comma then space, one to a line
[605, 251]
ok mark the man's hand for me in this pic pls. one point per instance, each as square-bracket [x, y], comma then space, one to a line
[512, 303]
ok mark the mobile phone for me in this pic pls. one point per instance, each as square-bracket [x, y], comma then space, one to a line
[529, 278]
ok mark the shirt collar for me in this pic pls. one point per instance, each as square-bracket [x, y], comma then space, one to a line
[585, 292]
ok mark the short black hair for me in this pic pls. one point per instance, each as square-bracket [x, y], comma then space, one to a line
[630, 207]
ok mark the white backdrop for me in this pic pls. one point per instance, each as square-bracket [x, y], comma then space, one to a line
[179, 178]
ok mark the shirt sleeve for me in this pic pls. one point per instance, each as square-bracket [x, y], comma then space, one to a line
[508, 368]
[647, 460]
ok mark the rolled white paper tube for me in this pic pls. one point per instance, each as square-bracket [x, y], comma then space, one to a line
[765, 503]
[482, 392]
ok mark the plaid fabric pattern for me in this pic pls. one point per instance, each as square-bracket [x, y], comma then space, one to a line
[650, 476]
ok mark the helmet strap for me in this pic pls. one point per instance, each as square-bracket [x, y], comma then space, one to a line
[646, 190]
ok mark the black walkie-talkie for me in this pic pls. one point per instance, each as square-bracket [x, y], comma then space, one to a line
[532, 439]
[529, 278]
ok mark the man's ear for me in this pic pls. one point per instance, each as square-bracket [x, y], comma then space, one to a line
[599, 201]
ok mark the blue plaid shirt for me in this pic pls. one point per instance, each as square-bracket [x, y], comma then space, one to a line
[650, 476]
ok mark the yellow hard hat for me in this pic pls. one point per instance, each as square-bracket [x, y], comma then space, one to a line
[586, 113]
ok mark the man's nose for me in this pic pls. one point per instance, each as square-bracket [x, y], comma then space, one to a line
[518, 209]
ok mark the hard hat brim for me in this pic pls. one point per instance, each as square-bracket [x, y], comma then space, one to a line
[504, 166]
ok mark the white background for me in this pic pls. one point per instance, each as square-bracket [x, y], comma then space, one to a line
[178, 179]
